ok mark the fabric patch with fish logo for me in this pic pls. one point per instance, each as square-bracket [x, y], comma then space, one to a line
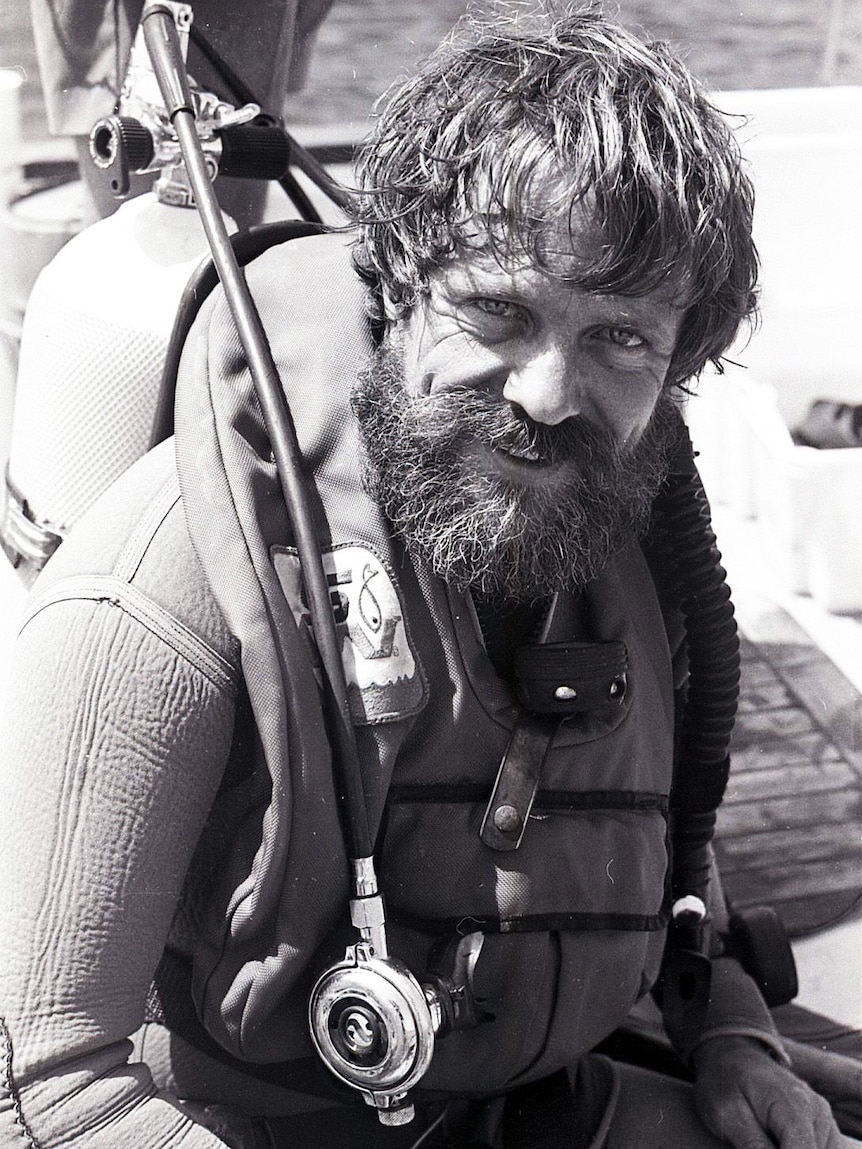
[384, 679]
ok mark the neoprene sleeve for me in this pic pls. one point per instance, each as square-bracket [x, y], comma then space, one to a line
[118, 725]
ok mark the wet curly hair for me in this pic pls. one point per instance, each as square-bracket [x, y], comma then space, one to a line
[516, 125]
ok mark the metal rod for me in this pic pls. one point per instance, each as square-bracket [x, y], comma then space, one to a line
[163, 44]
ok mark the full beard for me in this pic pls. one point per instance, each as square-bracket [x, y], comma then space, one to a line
[582, 497]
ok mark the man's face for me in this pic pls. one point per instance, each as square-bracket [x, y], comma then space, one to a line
[516, 424]
[542, 344]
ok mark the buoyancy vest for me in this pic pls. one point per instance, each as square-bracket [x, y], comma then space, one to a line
[574, 918]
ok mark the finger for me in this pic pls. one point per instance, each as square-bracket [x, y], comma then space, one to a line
[808, 1124]
[737, 1124]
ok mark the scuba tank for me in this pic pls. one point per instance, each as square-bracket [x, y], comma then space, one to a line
[98, 323]
[93, 343]
[89, 393]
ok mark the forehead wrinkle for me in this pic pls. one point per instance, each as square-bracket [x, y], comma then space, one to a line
[639, 304]
[545, 213]
[509, 257]
[557, 232]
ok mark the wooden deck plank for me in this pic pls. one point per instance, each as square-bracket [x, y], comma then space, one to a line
[795, 780]
[841, 808]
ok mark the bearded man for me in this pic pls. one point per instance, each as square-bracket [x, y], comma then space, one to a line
[552, 236]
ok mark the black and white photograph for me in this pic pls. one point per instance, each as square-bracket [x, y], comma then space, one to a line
[430, 574]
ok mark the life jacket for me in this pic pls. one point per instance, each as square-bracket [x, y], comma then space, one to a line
[574, 918]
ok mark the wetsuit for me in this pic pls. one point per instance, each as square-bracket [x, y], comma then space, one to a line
[173, 785]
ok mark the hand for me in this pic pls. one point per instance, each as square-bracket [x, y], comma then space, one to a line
[751, 1101]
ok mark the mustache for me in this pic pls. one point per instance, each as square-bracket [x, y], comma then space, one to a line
[455, 417]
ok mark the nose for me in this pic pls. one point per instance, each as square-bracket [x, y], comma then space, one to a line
[546, 386]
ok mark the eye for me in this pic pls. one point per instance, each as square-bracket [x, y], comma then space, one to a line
[495, 320]
[620, 337]
[497, 308]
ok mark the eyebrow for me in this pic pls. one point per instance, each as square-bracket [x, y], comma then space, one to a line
[490, 275]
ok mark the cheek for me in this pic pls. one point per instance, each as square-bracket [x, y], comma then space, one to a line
[418, 342]
[450, 362]
[628, 407]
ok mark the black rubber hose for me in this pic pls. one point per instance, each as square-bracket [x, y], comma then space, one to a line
[247, 245]
[300, 156]
[686, 547]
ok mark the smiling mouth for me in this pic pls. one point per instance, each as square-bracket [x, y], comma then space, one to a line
[518, 446]
[518, 457]
[525, 453]
[521, 464]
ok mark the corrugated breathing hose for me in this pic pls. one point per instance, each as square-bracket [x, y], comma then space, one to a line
[683, 535]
